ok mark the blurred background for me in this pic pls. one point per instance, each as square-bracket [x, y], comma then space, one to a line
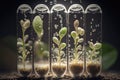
[111, 31]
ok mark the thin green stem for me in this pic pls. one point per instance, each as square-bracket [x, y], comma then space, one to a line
[23, 53]
[59, 49]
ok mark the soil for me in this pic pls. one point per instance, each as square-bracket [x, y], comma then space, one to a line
[25, 72]
[93, 69]
[42, 71]
[76, 68]
[59, 69]
[102, 76]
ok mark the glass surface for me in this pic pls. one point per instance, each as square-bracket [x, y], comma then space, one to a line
[24, 40]
[93, 39]
[76, 35]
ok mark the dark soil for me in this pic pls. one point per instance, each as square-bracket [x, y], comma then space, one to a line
[103, 76]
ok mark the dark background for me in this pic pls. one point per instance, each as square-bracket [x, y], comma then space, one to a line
[111, 19]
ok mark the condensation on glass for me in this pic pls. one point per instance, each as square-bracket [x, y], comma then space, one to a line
[41, 38]
[76, 32]
[24, 41]
[93, 39]
[58, 39]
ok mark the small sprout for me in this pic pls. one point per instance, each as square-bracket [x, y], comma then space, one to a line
[38, 25]
[94, 49]
[81, 31]
[97, 46]
[62, 32]
[25, 24]
[76, 23]
[91, 45]
[23, 44]
[74, 34]
[77, 39]
[62, 45]
[55, 40]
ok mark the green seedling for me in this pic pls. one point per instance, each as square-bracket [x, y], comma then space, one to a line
[77, 37]
[94, 49]
[24, 46]
[40, 47]
[61, 45]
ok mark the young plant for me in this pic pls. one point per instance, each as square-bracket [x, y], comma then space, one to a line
[93, 66]
[94, 50]
[60, 45]
[77, 37]
[24, 46]
[39, 47]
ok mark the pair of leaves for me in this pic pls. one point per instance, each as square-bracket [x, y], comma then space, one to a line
[62, 32]
[61, 45]
[95, 46]
[25, 24]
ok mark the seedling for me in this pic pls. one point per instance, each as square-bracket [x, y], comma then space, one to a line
[38, 28]
[93, 66]
[58, 67]
[24, 45]
[76, 66]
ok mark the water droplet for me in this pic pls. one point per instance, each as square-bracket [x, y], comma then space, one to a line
[91, 39]
[75, 16]
[92, 19]
[51, 3]
[55, 18]
[60, 21]
[93, 30]
[91, 27]
[69, 36]
[48, 28]
[90, 33]
[69, 45]
[90, 22]
[81, 18]
[56, 26]
[70, 1]
[46, 0]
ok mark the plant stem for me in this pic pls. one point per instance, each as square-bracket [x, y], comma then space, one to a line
[23, 54]
[59, 56]
[75, 50]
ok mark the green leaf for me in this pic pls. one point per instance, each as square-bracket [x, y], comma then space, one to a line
[91, 45]
[80, 40]
[81, 31]
[62, 32]
[26, 37]
[38, 25]
[109, 54]
[74, 34]
[55, 40]
[97, 46]
[62, 45]
[19, 44]
[25, 24]
[40, 48]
